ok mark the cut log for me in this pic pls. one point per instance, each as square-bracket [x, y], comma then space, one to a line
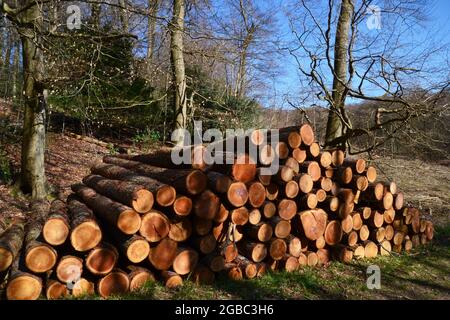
[281, 228]
[343, 254]
[230, 252]
[287, 209]
[269, 209]
[370, 249]
[182, 206]
[10, 244]
[324, 256]
[154, 226]
[307, 134]
[263, 178]
[128, 193]
[313, 223]
[398, 200]
[371, 174]
[398, 238]
[389, 215]
[299, 155]
[312, 168]
[305, 182]
[374, 192]
[202, 226]
[164, 194]
[429, 230]
[56, 290]
[115, 214]
[22, 285]
[333, 233]
[248, 267]
[272, 191]
[377, 235]
[222, 214]
[325, 159]
[389, 232]
[294, 139]
[56, 227]
[284, 174]
[185, 180]
[385, 248]
[215, 262]
[233, 272]
[267, 155]
[185, 261]
[139, 277]
[134, 247]
[347, 224]
[358, 252]
[207, 205]
[256, 194]
[321, 195]
[390, 187]
[366, 212]
[239, 216]
[171, 279]
[242, 168]
[254, 251]
[205, 244]
[357, 221]
[162, 254]
[308, 201]
[85, 231]
[319, 243]
[294, 245]
[254, 216]
[202, 275]
[330, 203]
[83, 287]
[364, 233]
[277, 249]
[291, 189]
[293, 164]
[237, 193]
[260, 232]
[290, 263]
[181, 229]
[281, 150]
[350, 239]
[102, 259]
[376, 219]
[325, 184]
[357, 165]
[115, 283]
[302, 260]
[311, 258]
[69, 269]
[219, 182]
[337, 157]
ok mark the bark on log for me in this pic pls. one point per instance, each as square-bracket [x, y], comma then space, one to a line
[115, 214]
[11, 242]
[254, 251]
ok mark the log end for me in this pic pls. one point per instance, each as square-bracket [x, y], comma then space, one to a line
[6, 259]
[117, 282]
[166, 195]
[56, 290]
[143, 201]
[196, 182]
[83, 287]
[41, 258]
[24, 287]
[129, 222]
[55, 231]
[182, 206]
[237, 194]
[101, 261]
[86, 236]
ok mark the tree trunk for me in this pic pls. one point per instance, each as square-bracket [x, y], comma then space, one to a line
[153, 6]
[176, 28]
[15, 71]
[33, 144]
[335, 127]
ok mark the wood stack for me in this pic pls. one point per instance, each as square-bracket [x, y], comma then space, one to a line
[140, 218]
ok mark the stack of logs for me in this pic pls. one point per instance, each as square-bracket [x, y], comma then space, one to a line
[141, 218]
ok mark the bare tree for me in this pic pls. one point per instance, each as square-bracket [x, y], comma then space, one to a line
[340, 57]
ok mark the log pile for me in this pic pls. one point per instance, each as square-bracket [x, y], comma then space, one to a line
[142, 218]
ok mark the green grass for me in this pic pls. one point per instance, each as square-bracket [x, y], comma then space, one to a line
[421, 274]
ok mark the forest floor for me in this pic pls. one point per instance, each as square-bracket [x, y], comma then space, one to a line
[421, 274]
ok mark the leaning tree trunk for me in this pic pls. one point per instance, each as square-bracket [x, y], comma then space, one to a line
[33, 144]
[335, 127]
[176, 28]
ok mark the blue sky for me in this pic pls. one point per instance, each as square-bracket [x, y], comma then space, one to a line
[436, 30]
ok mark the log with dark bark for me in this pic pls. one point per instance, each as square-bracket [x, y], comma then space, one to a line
[115, 214]
[128, 193]
[171, 279]
[11, 242]
[185, 180]
[85, 231]
[163, 253]
[164, 194]
[255, 251]
[259, 232]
